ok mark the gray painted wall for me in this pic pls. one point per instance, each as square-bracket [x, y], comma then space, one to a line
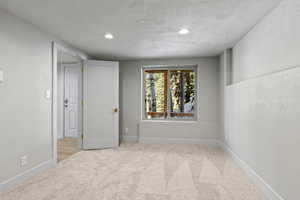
[207, 126]
[25, 119]
[262, 107]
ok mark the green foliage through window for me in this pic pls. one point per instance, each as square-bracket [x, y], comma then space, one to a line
[170, 93]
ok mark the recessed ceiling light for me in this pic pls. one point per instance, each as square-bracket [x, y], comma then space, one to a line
[183, 31]
[108, 36]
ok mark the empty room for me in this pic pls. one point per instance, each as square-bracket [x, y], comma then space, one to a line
[149, 100]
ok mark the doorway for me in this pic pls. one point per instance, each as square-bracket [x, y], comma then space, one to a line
[85, 103]
[69, 104]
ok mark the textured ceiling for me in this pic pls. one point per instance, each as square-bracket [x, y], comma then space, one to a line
[144, 28]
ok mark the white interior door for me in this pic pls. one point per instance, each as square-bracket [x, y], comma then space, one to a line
[101, 104]
[72, 100]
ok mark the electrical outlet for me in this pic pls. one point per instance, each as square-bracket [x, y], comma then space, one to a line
[126, 130]
[23, 161]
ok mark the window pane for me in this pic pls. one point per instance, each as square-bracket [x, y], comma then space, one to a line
[182, 94]
[155, 94]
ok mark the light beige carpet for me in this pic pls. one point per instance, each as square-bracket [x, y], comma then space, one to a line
[142, 172]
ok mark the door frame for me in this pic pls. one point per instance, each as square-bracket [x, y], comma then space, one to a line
[56, 47]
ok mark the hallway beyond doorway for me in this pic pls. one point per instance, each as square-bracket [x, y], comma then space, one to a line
[67, 147]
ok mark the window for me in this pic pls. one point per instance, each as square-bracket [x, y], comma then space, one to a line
[169, 93]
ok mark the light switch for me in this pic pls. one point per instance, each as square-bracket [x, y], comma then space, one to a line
[48, 94]
[1, 76]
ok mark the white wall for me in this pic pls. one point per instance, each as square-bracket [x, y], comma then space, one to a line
[262, 107]
[207, 126]
[272, 45]
[25, 119]
[225, 80]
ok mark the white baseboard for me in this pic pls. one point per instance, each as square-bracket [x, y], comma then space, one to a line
[264, 186]
[155, 140]
[16, 180]
[129, 138]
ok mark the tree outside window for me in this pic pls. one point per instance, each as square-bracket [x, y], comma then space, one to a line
[170, 93]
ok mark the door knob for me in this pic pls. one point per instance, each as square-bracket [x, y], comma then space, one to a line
[115, 110]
